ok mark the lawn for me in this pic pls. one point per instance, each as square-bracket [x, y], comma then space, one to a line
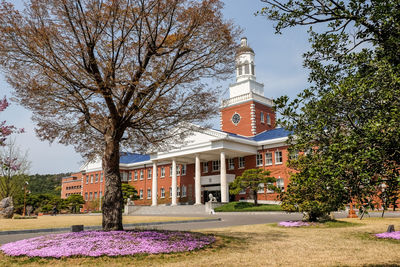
[87, 220]
[246, 206]
[261, 245]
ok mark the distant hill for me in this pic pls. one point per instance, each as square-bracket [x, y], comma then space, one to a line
[46, 183]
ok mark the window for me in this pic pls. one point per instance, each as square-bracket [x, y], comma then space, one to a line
[141, 193]
[241, 162]
[178, 170]
[278, 157]
[280, 183]
[240, 70]
[242, 192]
[231, 164]
[183, 191]
[101, 177]
[129, 176]
[95, 195]
[97, 177]
[170, 192]
[162, 192]
[86, 196]
[87, 179]
[178, 191]
[149, 174]
[262, 116]
[162, 172]
[124, 176]
[100, 194]
[90, 196]
[135, 176]
[268, 119]
[252, 69]
[269, 190]
[91, 178]
[183, 169]
[141, 175]
[246, 69]
[148, 193]
[259, 159]
[205, 167]
[260, 189]
[268, 158]
[216, 165]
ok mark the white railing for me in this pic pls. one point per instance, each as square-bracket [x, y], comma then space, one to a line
[245, 97]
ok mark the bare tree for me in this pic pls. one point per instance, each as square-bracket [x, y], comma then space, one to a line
[14, 164]
[104, 75]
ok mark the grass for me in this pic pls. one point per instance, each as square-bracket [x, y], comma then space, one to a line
[261, 245]
[61, 221]
[246, 206]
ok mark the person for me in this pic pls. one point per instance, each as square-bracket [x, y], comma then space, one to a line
[54, 210]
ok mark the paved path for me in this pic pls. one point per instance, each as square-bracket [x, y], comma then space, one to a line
[227, 220]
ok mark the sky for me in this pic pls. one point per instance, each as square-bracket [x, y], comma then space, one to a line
[278, 65]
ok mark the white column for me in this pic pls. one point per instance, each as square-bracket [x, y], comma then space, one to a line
[197, 184]
[224, 185]
[174, 183]
[154, 185]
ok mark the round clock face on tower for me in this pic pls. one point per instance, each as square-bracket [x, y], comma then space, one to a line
[236, 118]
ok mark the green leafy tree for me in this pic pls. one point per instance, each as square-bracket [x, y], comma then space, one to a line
[350, 115]
[74, 203]
[253, 180]
[129, 191]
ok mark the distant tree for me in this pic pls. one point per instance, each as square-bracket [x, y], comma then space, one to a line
[253, 180]
[129, 191]
[13, 167]
[105, 75]
[46, 183]
[74, 203]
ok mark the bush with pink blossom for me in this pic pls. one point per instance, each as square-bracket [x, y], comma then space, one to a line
[113, 243]
[389, 235]
[294, 224]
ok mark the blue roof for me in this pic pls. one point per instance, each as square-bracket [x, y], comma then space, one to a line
[128, 158]
[271, 134]
[266, 135]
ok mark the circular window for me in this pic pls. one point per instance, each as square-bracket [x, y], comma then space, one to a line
[236, 118]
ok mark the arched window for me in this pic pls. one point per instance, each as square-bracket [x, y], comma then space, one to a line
[240, 70]
[252, 69]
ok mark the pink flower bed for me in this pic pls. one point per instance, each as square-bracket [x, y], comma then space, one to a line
[113, 243]
[293, 224]
[391, 235]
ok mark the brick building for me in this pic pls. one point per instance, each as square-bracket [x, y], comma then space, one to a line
[208, 160]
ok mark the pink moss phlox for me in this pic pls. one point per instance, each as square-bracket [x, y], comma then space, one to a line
[293, 224]
[391, 235]
[113, 243]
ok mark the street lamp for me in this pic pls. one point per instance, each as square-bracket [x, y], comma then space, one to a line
[25, 185]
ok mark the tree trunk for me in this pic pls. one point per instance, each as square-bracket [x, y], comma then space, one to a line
[112, 200]
[255, 198]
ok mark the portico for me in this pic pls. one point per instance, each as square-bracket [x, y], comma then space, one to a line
[203, 146]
